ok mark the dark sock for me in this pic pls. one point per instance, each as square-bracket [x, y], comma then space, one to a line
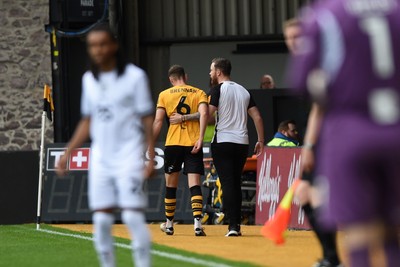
[359, 258]
[197, 201]
[170, 202]
[327, 239]
[392, 252]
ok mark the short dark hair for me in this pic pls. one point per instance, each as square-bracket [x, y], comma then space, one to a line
[104, 27]
[284, 125]
[176, 71]
[121, 60]
[223, 64]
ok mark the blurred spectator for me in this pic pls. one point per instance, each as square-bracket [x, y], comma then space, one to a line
[267, 82]
[287, 135]
[291, 32]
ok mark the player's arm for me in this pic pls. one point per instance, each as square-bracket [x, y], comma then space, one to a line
[177, 118]
[311, 138]
[158, 122]
[144, 107]
[147, 123]
[213, 98]
[81, 135]
[203, 113]
[305, 77]
[254, 113]
[155, 127]
[211, 113]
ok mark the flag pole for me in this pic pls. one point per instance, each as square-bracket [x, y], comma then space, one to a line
[48, 107]
[39, 201]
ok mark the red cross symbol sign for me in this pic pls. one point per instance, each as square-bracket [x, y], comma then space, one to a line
[79, 159]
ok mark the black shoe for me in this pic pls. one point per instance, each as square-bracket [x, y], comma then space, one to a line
[199, 232]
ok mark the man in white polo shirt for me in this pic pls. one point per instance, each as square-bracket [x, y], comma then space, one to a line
[230, 145]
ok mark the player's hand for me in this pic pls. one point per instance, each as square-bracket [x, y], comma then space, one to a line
[197, 146]
[151, 153]
[175, 118]
[307, 160]
[259, 148]
[303, 192]
[149, 169]
[61, 166]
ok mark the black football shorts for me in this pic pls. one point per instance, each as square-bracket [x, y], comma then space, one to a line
[175, 156]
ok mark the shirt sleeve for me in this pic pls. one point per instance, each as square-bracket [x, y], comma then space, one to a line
[215, 93]
[308, 57]
[161, 102]
[202, 97]
[252, 103]
[143, 101]
[86, 107]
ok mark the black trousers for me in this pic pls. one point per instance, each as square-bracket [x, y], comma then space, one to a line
[229, 160]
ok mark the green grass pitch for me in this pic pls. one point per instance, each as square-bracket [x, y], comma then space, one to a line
[23, 245]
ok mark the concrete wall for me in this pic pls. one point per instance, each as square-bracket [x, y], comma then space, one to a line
[24, 68]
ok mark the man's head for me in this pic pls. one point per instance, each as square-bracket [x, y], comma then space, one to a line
[288, 128]
[220, 69]
[292, 31]
[102, 45]
[176, 73]
[267, 82]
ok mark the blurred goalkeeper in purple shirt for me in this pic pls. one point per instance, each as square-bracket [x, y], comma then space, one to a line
[349, 62]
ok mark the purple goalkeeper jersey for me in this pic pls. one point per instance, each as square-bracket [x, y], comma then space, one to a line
[352, 47]
[349, 62]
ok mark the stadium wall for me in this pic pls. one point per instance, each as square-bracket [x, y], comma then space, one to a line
[24, 68]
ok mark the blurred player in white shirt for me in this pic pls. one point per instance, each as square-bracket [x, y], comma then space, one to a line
[117, 114]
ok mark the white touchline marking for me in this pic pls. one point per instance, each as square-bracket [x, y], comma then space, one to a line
[154, 252]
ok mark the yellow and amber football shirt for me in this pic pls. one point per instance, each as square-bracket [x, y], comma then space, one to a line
[184, 99]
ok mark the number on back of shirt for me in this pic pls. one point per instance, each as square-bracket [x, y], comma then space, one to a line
[377, 28]
[182, 107]
[384, 103]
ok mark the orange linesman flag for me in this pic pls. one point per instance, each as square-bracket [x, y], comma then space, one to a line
[48, 104]
[275, 228]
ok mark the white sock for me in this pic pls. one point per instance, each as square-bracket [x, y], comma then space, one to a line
[103, 240]
[197, 223]
[169, 223]
[141, 240]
